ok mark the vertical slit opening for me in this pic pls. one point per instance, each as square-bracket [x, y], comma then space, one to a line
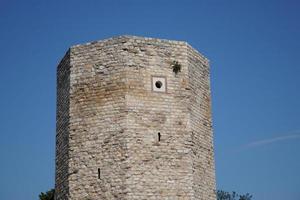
[159, 136]
[99, 177]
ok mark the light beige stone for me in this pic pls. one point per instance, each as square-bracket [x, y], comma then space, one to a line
[117, 138]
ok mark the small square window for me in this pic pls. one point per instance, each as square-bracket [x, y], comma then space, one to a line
[159, 84]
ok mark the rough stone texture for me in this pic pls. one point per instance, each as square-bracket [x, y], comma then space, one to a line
[108, 119]
[62, 127]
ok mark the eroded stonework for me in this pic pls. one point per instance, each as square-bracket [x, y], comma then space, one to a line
[117, 138]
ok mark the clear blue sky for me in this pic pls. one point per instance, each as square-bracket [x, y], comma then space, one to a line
[254, 48]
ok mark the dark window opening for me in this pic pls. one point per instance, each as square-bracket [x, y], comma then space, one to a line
[99, 177]
[159, 136]
[158, 84]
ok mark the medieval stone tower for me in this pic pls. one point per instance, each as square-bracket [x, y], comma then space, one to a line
[134, 122]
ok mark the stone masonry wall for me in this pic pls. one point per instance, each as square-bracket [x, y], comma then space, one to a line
[62, 128]
[111, 148]
[202, 150]
[97, 123]
[158, 169]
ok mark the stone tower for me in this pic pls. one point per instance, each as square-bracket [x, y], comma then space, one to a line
[134, 122]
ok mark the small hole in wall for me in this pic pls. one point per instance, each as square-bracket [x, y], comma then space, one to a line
[158, 84]
[158, 134]
[99, 177]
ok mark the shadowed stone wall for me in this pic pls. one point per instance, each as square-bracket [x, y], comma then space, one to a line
[119, 139]
[62, 128]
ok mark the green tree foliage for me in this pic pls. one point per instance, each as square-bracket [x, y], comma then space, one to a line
[49, 195]
[222, 195]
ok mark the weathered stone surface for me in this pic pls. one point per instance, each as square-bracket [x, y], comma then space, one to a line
[145, 144]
